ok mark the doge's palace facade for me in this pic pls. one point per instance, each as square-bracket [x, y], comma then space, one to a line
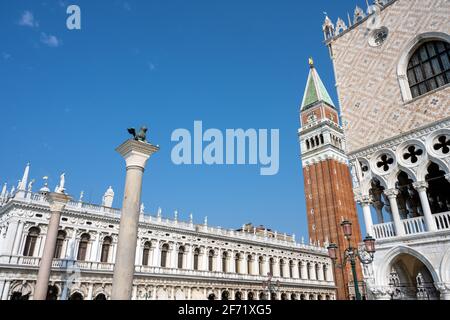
[175, 260]
[392, 67]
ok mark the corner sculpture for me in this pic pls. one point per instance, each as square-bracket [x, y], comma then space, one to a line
[141, 136]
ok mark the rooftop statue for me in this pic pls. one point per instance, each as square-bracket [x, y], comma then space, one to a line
[141, 136]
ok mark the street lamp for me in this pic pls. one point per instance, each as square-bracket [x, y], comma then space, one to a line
[365, 254]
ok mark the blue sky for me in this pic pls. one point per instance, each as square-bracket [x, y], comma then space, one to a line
[67, 97]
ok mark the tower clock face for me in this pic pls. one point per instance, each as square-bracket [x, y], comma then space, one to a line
[312, 117]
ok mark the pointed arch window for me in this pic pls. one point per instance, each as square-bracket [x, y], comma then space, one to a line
[30, 242]
[429, 67]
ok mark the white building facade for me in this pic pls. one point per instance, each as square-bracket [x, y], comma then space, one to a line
[175, 260]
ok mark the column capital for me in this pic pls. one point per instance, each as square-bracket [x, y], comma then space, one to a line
[57, 201]
[420, 185]
[391, 193]
[136, 153]
[364, 199]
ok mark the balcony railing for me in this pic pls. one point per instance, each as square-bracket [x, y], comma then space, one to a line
[73, 266]
[384, 230]
[412, 226]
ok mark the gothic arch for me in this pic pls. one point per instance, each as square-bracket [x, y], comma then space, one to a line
[408, 51]
[422, 171]
[384, 269]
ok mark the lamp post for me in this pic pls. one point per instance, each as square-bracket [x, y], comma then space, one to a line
[364, 254]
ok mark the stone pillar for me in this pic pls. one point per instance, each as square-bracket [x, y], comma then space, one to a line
[18, 239]
[392, 196]
[57, 203]
[295, 270]
[173, 255]
[304, 267]
[5, 294]
[2, 286]
[138, 260]
[378, 205]
[218, 259]
[95, 248]
[189, 250]
[276, 267]
[365, 202]
[136, 154]
[8, 242]
[156, 254]
[421, 187]
[90, 291]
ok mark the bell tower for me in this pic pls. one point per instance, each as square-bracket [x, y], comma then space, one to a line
[327, 179]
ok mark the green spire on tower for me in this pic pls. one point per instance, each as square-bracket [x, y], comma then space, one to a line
[315, 90]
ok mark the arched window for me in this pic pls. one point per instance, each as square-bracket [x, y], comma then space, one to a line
[76, 296]
[236, 263]
[291, 269]
[164, 251]
[317, 271]
[282, 268]
[30, 243]
[211, 260]
[261, 265]
[224, 262]
[106, 246]
[146, 253]
[271, 262]
[196, 255]
[82, 247]
[180, 257]
[429, 67]
[59, 244]
[312, 143]
[307, 144]
[300, 270]
[325, 273]
[321, 139]
[249, 264]
[308, 270]
[317, 140]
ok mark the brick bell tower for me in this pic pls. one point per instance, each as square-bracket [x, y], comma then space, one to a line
[327, 179]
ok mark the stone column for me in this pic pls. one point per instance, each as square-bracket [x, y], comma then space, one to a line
[392, 196]
[304, 270]
[8, 242]
[421, 187]
[57, 203]
[95, 248]
[155, 254]
[218, 257]
[136, 154]
[138, 260]
[5, 294]
[18, 239]
[365, 202]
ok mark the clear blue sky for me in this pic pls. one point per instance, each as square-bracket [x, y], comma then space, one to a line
[67, 97]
